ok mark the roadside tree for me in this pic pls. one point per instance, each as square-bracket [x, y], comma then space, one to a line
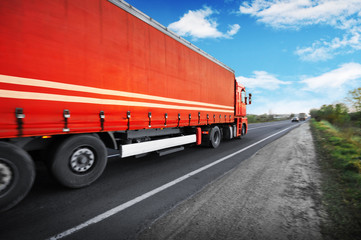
[355, 98]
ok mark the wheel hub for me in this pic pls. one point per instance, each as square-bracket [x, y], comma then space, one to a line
[82, 160]
[6, 175]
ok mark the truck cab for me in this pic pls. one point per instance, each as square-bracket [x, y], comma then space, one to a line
[241, 100]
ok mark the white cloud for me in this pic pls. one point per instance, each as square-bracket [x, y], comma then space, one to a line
[261, 79]
[294, 14]
[297, 13]
[198, 24]
[323, 50]
[334, 79]
[233, 30]
[317, 52]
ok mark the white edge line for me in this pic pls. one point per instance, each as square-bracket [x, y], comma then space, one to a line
[138, 199]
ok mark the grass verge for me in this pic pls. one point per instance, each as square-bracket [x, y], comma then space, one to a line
[340, 160]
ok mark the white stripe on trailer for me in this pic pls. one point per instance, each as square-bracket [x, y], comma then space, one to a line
[94, 90]
[77, 99]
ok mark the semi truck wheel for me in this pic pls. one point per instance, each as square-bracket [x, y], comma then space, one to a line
[78, 161]
[17, 174]
[215, 137]
[243, 131]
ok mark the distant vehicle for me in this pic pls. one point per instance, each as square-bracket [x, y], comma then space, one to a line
[295, 119]
[302, 116]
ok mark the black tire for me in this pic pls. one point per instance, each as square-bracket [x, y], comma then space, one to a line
[17, 174]
[215, 137]
[78, 161]
[243, 132]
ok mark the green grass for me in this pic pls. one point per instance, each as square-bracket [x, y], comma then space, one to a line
[340, 159]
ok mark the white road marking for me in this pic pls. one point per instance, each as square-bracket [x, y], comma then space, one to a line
[138, 199]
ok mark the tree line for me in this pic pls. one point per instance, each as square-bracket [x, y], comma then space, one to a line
[339, 114]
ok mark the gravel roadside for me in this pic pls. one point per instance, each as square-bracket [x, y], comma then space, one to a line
[273, 195]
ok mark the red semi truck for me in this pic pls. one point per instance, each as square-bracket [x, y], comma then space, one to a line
[78, 77]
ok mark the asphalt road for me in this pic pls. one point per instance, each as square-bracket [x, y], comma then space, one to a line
[132, 192]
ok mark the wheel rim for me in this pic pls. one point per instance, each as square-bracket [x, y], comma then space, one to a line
[82, 160]
[6, 175]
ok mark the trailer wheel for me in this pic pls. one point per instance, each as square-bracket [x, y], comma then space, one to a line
[215, 137]
[17, 174]
[78, 161]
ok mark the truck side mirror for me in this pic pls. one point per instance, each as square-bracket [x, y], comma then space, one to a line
[250, 98]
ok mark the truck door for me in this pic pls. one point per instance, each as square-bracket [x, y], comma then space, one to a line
[240, 101]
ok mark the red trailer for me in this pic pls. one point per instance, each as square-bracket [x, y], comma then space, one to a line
[77, 78]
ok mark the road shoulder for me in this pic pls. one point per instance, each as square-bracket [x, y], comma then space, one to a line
[273, 195]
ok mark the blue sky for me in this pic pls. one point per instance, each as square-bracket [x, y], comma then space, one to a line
[292, 55]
